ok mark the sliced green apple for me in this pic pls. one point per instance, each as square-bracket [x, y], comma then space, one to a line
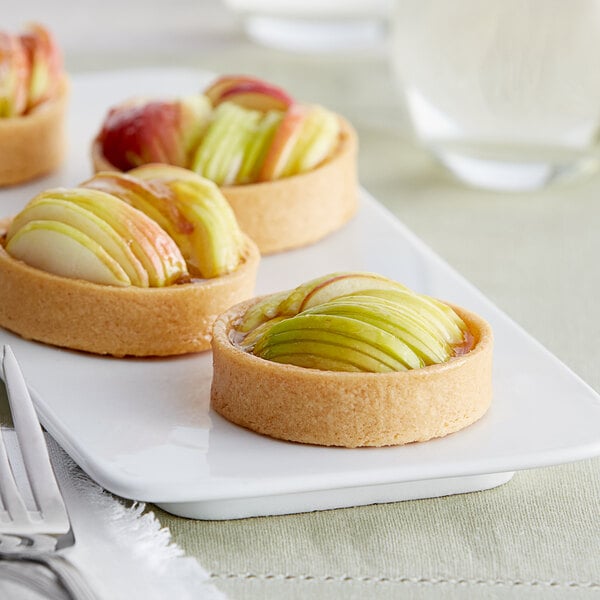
[394, 318]
[221, 152]
[151, 245]
[316, 291]
[445, 322]
[153, 198]
[349, 334]
[258, 146]
[64, 250]
[357, 314]
[214, 245]
[59, 210]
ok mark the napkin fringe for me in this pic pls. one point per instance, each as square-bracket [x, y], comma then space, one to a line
[123, 547]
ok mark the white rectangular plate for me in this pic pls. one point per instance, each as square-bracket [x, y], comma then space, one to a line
[143, 429]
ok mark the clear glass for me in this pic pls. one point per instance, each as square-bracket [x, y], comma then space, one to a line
[505, 93]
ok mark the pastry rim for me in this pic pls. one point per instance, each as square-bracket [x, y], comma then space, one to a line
[45, 124]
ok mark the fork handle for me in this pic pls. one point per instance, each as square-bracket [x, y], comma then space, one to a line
[69, 576]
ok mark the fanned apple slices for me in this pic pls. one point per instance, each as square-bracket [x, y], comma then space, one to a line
[137, 264]
[288, 169]
[151, 228]
[91, 235]
[351, 359]
[353, 322]
[188, 207]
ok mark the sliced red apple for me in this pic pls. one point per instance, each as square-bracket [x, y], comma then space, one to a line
[14, 76]
[317, 140]
[283, 143]
[139, 132]
[257, 96]
[215, 243]
[220, 85]
[45, 62]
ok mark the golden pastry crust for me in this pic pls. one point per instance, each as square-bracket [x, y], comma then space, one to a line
[294, 211]
[129, 321]
[34, 144]
[350, 409]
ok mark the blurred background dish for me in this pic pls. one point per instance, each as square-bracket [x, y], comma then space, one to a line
[313, 25]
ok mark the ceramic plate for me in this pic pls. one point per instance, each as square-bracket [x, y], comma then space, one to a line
[143, 429]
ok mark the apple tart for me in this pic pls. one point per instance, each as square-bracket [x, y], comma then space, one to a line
[135, 264]
[288, 169]
[33, 101]
[351, 359]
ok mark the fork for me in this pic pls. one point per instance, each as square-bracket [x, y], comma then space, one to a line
[34, 535]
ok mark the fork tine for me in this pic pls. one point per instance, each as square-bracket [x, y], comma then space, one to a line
[33, 447]
[11, 498]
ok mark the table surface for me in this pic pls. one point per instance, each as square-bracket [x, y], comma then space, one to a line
[534, 254]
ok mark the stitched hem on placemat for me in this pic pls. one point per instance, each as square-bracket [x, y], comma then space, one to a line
[409, 580]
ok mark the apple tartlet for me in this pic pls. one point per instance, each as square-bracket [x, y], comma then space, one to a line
[137, 264]
[33, 101]
[288, 169]
[351, 359]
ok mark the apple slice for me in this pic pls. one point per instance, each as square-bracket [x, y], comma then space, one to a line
[257, 96]
[63, 250]
[316, 291]
[220, 85]
[415, 331]
[153, 198]
[152, 246]
[45, 64]
[140, 132]
[366, 346]
[444, 321]
[96, 229]
[249, 92]
[317, 140]
[282, 145]
[14, 74]
[344, 284]
[258, 146]
[221, 152]
[215, 242]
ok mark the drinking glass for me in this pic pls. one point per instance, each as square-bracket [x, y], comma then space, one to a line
[505, 93]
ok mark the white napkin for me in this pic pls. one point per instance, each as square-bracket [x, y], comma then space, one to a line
[124, 553]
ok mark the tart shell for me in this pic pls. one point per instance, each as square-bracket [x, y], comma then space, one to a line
[350, 409]
[34, 144]
[118, 321]
[294, 211]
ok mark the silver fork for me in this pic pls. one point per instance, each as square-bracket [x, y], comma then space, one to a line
[27, 534]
